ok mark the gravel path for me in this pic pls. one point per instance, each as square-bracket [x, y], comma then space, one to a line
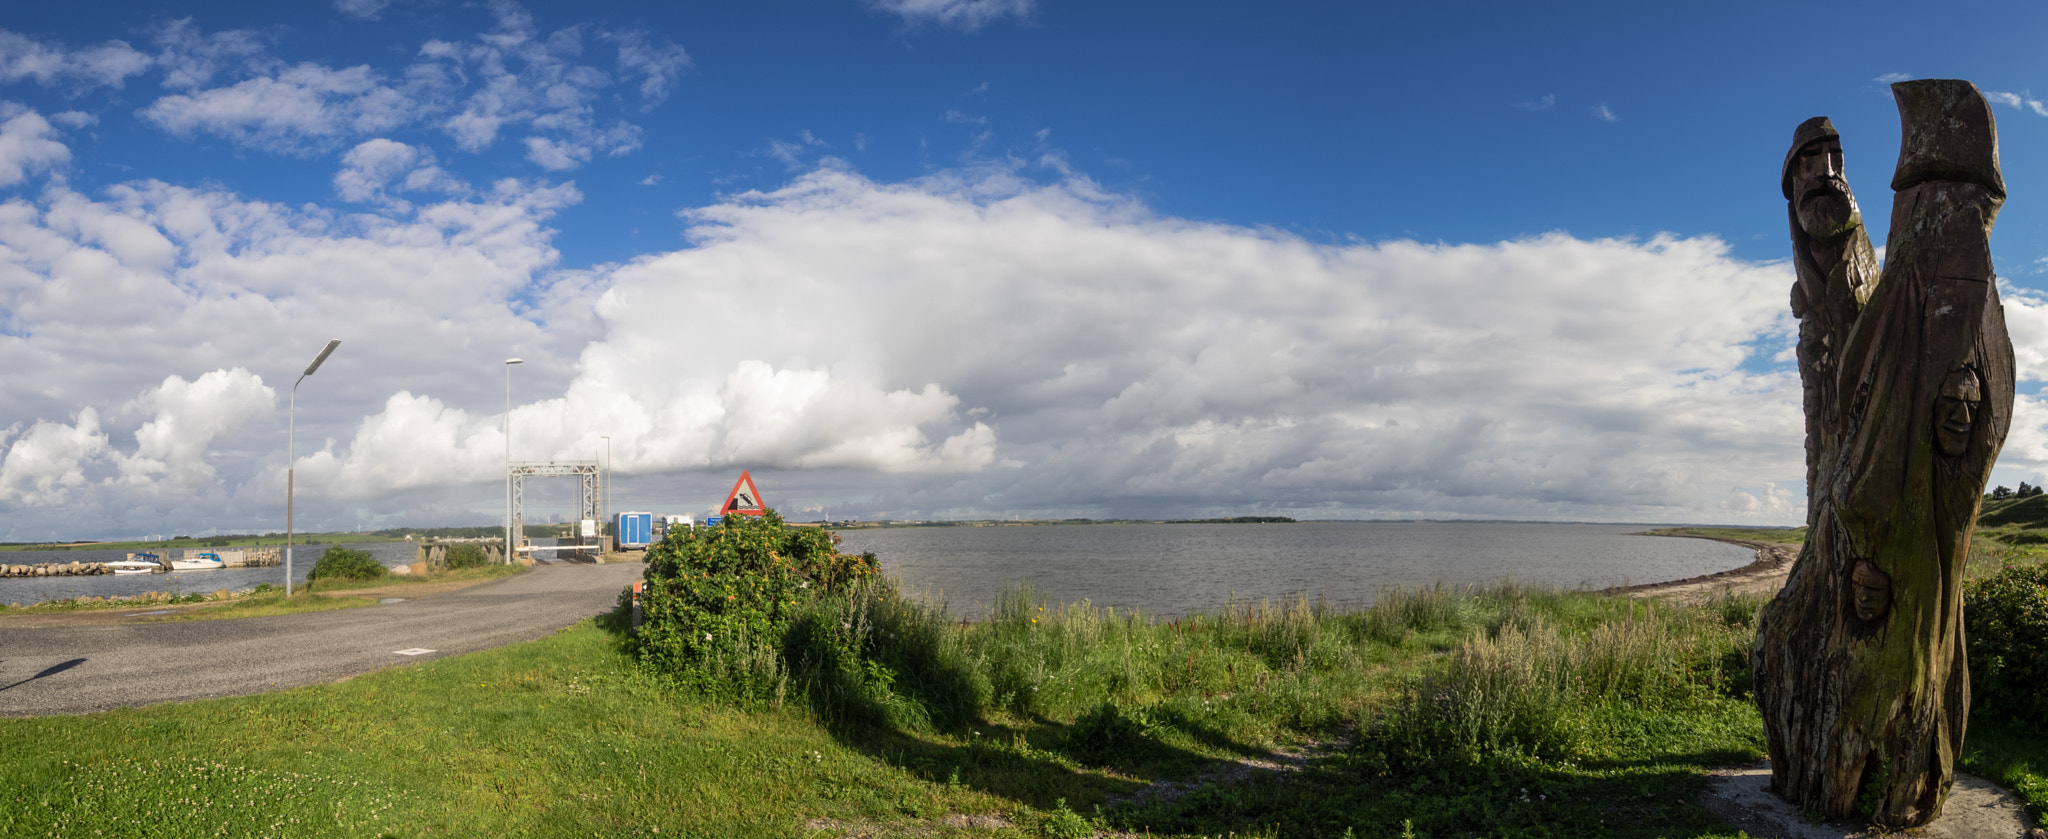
[77, 670]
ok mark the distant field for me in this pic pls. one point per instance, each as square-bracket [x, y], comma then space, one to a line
[2009, 531]
[548, 531]
[206, 542]
[1783, 536]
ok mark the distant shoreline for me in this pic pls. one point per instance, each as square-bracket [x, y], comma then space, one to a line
[1764, 575]
[899, 523]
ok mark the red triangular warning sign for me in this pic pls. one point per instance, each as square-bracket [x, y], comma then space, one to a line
[744, 500]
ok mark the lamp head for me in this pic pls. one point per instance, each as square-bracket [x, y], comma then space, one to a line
[322, 357]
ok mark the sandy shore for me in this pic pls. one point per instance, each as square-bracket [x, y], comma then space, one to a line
[1764, 576]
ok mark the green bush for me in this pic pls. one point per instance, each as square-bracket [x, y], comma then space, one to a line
[467, 555]
[2005, 619]
[719, 600]
[345, 564]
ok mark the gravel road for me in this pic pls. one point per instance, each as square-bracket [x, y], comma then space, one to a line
[77, 670]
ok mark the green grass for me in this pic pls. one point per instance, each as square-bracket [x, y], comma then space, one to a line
[558, 737]
[267, 605]
[2013, 754]
[487, 572]
[1506, 711]
[80, 604]
[2017, 535]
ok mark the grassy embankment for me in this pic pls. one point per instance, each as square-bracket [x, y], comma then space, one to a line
[1567, 711]
[1507, 711]
[266, 599]
[1780, 535]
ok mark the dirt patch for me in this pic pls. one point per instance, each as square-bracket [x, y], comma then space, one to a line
[1764, 576]
[1976, 809]
[144, 611]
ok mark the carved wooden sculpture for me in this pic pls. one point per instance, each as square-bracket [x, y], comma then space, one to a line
[1859, 661]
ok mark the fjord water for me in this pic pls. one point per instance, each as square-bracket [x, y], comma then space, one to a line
[28, 590]
[1168, 570]
[1163, 569]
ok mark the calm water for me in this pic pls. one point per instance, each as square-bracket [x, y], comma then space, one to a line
[1175, 569]
[38, 589]
[1163, 569]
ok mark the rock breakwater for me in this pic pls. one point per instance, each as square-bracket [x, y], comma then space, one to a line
[66, 569]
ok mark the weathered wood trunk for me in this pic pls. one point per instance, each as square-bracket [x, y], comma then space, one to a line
[1859, 661]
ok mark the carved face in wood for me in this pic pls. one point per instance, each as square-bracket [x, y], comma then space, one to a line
[1955, 413]
[1871, 589]
[1820, 192]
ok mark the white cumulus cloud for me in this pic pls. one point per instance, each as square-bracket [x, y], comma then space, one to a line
[375, 169]
[49, 64]
[27, 144]
[184, 420]
[48, 461]
[302, 108]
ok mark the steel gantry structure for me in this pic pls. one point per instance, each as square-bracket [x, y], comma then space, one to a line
[584, 469]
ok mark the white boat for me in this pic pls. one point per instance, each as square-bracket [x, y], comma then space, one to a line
[139, 562]
[200, 561]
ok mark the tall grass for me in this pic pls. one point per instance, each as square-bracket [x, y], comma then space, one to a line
[1519, 669]
[1532, 691]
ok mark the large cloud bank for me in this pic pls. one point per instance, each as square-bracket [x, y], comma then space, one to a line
[993, 340]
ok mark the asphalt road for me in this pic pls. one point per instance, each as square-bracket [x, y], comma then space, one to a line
[77, 670]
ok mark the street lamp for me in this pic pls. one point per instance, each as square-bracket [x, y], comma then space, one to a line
[603, 487]
[291, 453]
[508, 456]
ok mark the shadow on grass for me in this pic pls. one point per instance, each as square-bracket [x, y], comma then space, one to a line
[927, 720]
[1505, 799]
[928, 723]
[906, 703]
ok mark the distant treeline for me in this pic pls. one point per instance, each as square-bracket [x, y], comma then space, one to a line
[541, 531]
[1237, 520]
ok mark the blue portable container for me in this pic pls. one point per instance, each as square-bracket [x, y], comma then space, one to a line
[635, 530]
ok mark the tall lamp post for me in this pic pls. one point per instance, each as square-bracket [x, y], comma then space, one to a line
[603, 494]
[291, 453]
[508, 457]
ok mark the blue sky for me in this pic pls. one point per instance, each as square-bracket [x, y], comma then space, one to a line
[930, 258]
